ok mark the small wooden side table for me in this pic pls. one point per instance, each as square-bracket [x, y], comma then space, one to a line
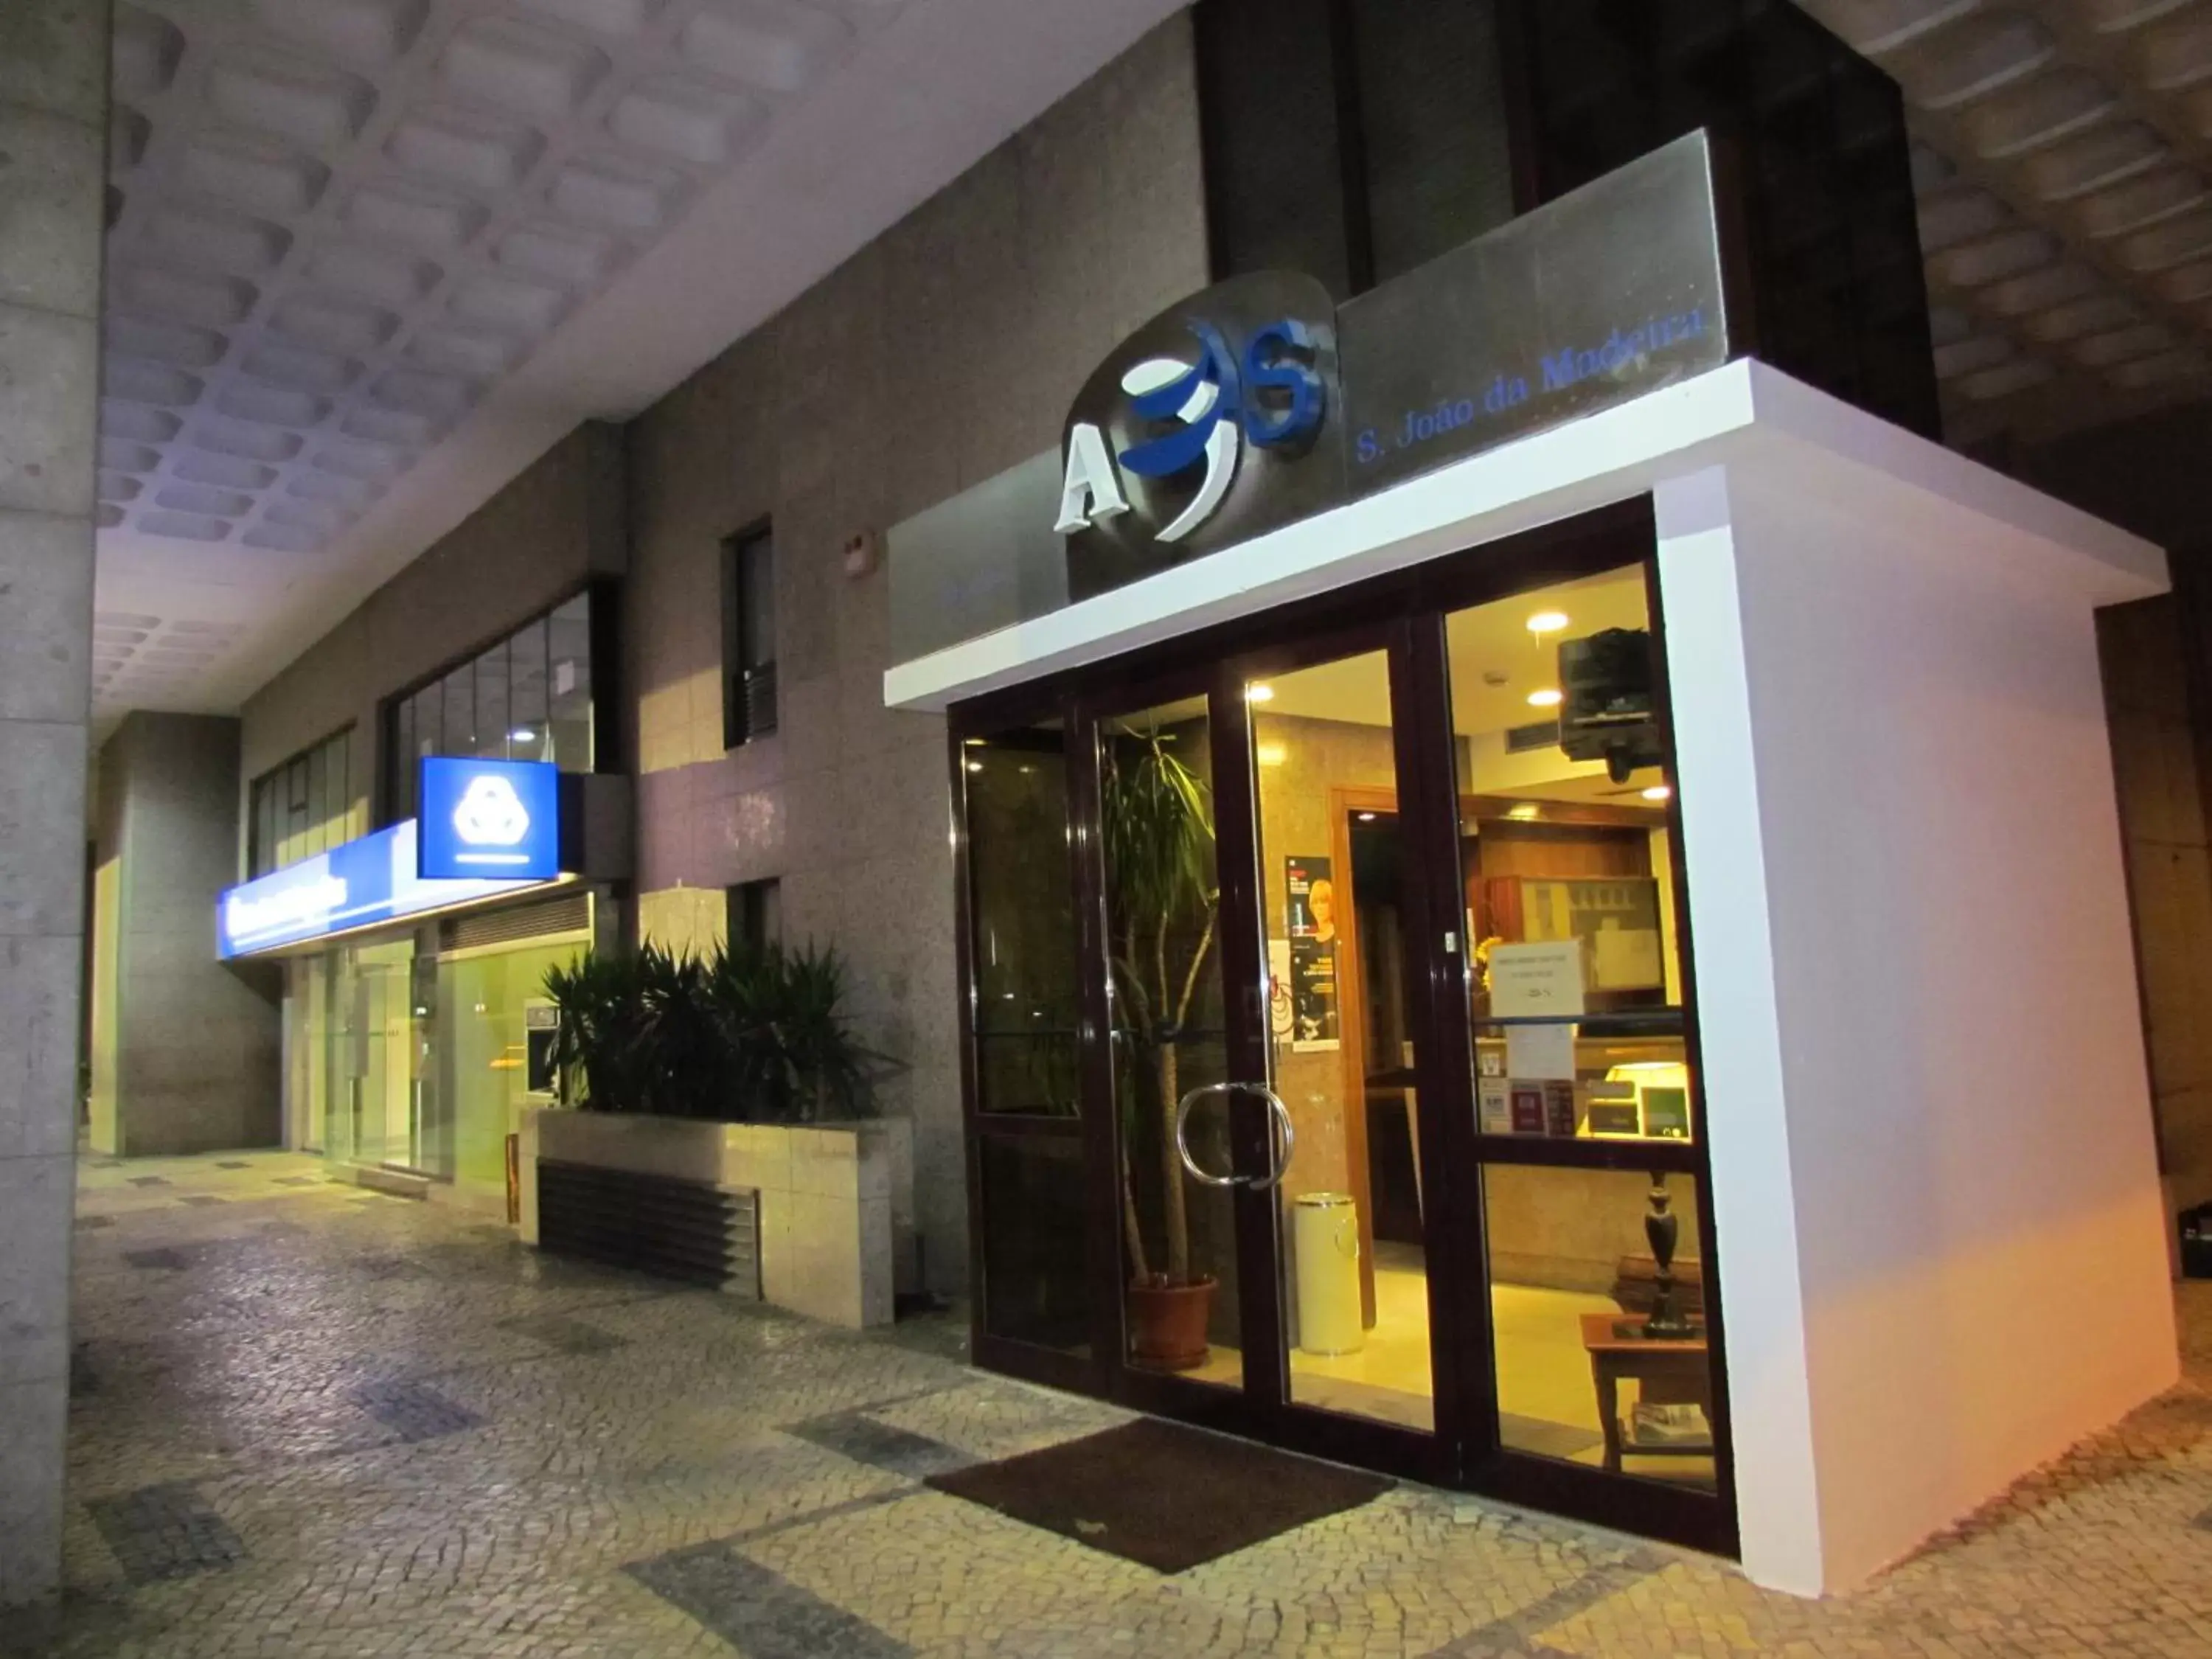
[1682, 1371]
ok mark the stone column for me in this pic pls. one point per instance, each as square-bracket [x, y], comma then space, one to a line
[53, 119]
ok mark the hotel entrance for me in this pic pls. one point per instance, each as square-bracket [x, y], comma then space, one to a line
[1331, 1067]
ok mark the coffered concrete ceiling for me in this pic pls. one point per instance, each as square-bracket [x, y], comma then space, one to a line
[369, 258]
[2062, 154]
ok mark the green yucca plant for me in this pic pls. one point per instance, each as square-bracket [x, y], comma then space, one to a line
[753, 1034]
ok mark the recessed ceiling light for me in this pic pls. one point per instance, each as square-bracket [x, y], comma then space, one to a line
[1258, 694]
[1659, 791]
[1549, 697]
[975, 766]
[1366, 817]
[1547, 622]
[522, 734]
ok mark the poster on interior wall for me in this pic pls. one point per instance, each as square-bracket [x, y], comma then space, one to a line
[1310, 915]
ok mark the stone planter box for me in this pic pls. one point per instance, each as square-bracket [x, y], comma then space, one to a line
[836, 1200]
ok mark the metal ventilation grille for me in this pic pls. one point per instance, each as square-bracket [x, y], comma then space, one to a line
[1537, 734]
[682, 1230]
[569, 913]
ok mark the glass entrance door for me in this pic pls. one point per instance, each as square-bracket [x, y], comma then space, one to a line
[1272, 1218]
[1363, 1116]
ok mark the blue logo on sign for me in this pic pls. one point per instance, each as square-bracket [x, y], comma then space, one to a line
[1271, 398]
[490, 819]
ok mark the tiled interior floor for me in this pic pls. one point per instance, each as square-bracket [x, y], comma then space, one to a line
[313, 1421]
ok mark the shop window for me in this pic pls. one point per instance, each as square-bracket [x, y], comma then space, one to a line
[302, 808]
[748, 637]
[756, 914]
[1022, 922]
[527, 698]
[1037, 1286]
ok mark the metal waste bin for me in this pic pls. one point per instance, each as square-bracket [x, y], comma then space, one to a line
[1325, 1233]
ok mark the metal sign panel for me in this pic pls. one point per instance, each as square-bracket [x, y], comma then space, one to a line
[1215, 421]
[370, 880]
[489, 817]
[1603, 296]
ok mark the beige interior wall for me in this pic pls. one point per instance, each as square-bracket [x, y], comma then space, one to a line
[938, 356]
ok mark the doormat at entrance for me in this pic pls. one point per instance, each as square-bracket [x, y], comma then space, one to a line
[1167, 1496]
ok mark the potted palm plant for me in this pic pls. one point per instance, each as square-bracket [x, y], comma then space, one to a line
[1162, 900]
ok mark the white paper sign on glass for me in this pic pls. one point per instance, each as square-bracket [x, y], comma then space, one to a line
[1536, 981]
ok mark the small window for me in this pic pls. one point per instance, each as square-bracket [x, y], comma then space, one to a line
[748, 637]
[756, 914]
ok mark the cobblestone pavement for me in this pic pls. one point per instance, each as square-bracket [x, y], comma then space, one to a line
[314, 1422]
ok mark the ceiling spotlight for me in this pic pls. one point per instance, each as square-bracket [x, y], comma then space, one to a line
[1550, 697]
[1366, 817]
[975, 766]
[1659, 791]
[522, 734]
[1547, 622]
[1258, 694]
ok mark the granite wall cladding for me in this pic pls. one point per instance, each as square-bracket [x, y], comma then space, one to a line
[558, 524]
[53, 125]
[185, 1053]
[941, 354]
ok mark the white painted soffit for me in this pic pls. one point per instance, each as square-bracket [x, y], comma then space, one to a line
[2062, 155]
[1782, 434]
[368, 258]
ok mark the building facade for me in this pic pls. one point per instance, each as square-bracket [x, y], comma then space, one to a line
[811, 652]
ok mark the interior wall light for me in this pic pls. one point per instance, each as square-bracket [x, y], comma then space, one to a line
[1258, 694]
[1547, 622]
[1271, 754]
[1549, 697]
[1522, 811]
[1659, 791]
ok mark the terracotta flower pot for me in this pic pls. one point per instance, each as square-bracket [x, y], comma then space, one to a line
[1167, 1324]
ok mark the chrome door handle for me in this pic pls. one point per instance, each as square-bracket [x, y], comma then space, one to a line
[1279, 1120]
[1183, 1123]
[1278, 1116]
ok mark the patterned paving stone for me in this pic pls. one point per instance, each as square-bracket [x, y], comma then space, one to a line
[415, 1411]
[149, 1181]
[758, 1612]
[312, 1425]
[879, 1445]
[167, 1531]
[573, 1336]
[233, 1163]
[200, 1199]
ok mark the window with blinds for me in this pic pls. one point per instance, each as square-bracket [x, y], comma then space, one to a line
[303, 807]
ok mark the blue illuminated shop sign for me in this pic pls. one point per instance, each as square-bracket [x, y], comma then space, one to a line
[374, 879]
[489, 817]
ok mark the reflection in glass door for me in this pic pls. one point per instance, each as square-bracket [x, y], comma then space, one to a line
[1352, 1230]
[1590, 1199]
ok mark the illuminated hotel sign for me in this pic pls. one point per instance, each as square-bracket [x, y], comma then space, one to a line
[1259, 402]
[374, 879]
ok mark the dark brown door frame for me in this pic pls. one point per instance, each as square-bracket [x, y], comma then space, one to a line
[1407, 608]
